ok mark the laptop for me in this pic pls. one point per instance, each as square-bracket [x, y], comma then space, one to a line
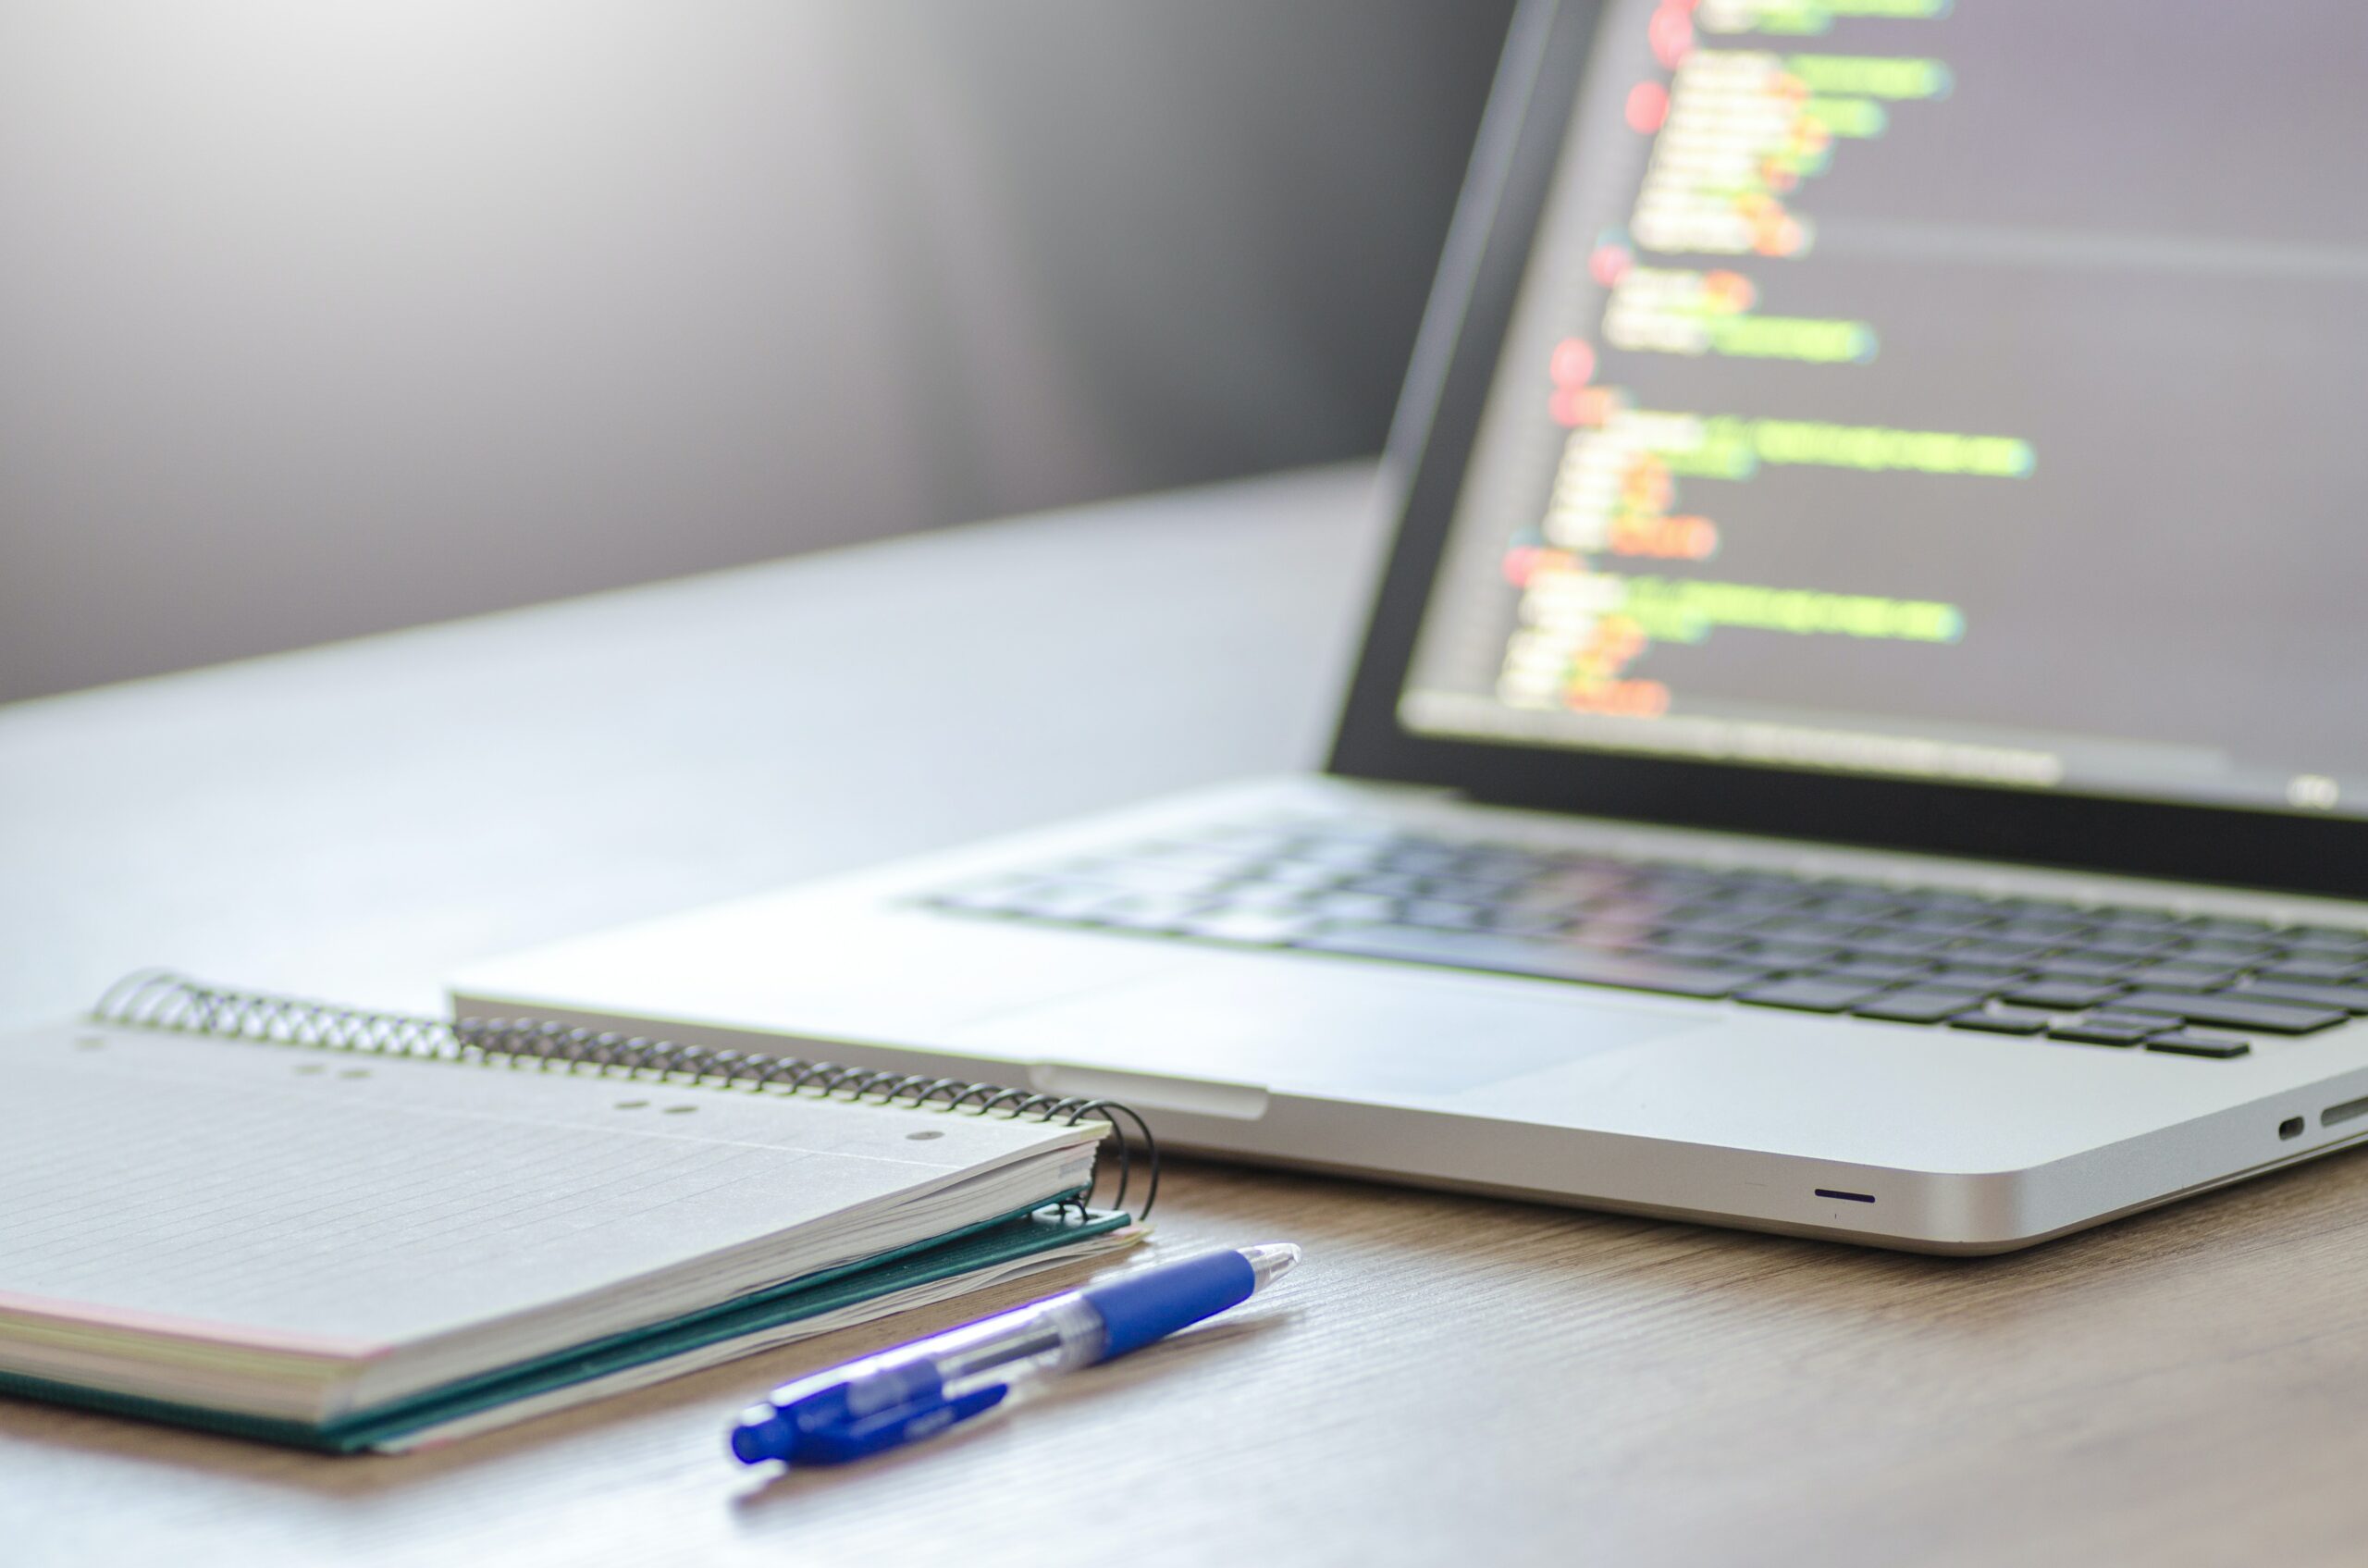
[1863, 732]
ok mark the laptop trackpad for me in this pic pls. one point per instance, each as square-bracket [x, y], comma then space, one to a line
[1325, 1028]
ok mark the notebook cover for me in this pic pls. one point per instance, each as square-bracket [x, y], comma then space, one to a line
[985, 1245]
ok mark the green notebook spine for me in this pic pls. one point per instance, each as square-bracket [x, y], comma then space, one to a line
[979, 1246]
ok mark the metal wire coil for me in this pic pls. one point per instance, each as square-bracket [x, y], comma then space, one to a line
[163, 999]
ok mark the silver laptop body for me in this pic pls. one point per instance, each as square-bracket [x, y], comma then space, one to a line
[1861, 734]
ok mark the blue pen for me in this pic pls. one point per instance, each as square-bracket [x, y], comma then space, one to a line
[918, 1390]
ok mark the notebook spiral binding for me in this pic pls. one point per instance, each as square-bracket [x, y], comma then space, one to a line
[163, 999]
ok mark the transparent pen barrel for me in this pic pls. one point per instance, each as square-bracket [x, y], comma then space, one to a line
[1051, 1337]
[1059, 1335]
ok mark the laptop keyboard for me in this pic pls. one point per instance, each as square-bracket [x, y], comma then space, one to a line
[2203, 986]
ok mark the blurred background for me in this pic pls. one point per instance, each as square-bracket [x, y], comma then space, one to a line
[321, 318]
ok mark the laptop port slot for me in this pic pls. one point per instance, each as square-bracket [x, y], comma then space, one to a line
[1853, 1197]
[2290, 1128]
[2344, 1112]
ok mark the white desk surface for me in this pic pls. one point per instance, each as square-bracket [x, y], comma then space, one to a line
[1447, 1380]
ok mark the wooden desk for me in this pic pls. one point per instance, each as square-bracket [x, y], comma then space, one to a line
[1448, 1380]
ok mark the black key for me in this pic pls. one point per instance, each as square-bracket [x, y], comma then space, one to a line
[1493, 871]
[2050, 909]
[2221, 925]
[1888, 970]
[2003, 1021]
[1896, 943]
[1572, 884]
[2073, 966]
[1721, 921]
[2090, 1031]
[1946, 922]
[1609, 935]
[1754, 876]
[1666, 875]
[1540, 901]
[2135, 919]
[2180, 976]
[2063, 995]
[1832, 932]
[1527, 922]
[1861, 910]
[2309, 970]
[2150, 1023]
[2195, 1042]
[1989, 977]
[2243, 954]
[2034, 928]
[1809, 993]
[1634, 913]
[2131, 945]
[1824, 888]
[1464, 890]
[2351, 998]
[1694, 943]
[1918, 1005]
[2325, 939]
[1964, 903]
[1780, 953]
[1762, 900]
[2230, 1007]
[1981, 949]
[1542, 960]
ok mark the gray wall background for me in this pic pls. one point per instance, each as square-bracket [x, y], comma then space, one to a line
[319, 318]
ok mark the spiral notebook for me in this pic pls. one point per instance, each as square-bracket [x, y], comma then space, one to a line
[358, 1230]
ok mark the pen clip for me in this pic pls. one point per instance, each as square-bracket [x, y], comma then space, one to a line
[885, 1429]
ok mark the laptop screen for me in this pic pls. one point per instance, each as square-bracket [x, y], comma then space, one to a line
[1967, 392]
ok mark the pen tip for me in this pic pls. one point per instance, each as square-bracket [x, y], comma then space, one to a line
[1268, 1259]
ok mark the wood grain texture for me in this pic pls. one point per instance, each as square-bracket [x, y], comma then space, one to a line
[1447, 1378]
